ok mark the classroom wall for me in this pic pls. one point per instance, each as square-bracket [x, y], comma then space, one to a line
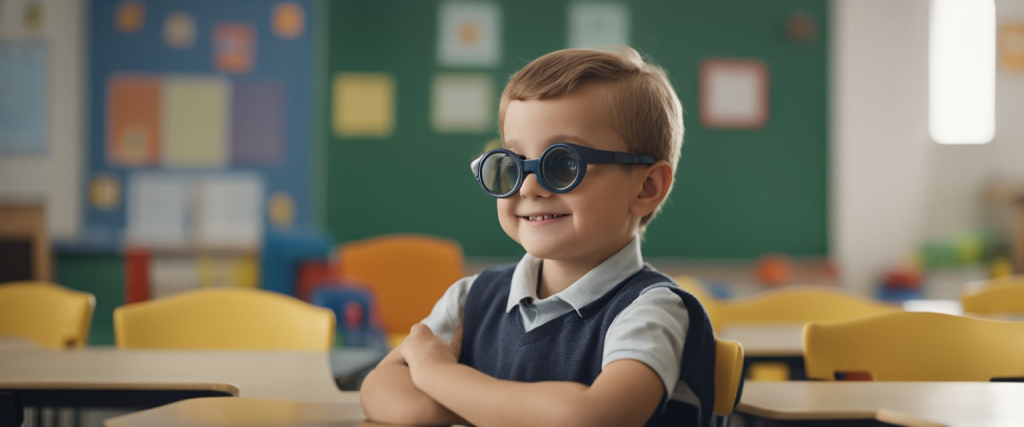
[53, 176]
[739, 193]
[879, 134]
[890, 184]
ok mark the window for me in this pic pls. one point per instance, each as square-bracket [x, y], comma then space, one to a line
[962, 71]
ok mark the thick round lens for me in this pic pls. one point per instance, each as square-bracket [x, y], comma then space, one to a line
[560, 168]
[499, 173]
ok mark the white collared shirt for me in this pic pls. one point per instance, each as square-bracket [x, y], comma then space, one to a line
[651, 330]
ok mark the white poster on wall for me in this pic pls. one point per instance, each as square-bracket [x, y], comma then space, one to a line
[734, 93]
[158, 209]
[463, 103]
[595, 25]
[229, 210]
[469, 34]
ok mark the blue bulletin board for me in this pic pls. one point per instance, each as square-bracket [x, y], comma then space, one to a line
[193, 88]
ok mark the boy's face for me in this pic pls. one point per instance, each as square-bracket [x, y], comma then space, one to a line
[595, 219]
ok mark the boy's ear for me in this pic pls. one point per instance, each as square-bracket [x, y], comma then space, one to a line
[657, 180]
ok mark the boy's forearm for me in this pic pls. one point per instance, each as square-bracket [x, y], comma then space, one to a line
[389, 395]
[483, 400]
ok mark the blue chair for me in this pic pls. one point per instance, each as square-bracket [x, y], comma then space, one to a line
[353, 307]
[283, 253]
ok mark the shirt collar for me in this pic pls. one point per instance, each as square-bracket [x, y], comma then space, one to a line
[588, 288]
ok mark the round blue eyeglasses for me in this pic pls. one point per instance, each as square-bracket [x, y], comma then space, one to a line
[560, 168]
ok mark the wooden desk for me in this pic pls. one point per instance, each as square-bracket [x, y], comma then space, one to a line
[107, 377]
[903, 403]
[771, 343]
[231, 411]
[294, 375]
[768, 341]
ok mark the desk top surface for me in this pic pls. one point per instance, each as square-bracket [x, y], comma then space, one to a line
[904, 403]
[231, 411]
[784, 340]
[294, 375]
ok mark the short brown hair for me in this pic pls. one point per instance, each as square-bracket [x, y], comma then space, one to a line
[647, 113]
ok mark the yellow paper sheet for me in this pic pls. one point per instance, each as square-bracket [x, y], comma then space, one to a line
[363, 104]
[196, 122]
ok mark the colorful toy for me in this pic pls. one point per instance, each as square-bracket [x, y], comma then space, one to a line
[773, 269]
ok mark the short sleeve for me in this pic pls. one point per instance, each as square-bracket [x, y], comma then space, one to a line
[651, 330]
[447, 312]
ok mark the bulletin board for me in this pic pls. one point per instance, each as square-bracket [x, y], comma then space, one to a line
[196, 88]
[738, 193]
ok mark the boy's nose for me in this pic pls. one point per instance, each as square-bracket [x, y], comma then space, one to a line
[531, 188]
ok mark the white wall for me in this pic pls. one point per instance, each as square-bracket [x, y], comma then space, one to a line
[879, 135]
[53, 176]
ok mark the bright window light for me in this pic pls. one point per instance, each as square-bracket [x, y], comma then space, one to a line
[962, 71]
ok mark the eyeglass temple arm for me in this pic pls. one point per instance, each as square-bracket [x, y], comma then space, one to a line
[633, 159]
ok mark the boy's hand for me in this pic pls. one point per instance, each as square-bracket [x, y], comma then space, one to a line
[422, 348]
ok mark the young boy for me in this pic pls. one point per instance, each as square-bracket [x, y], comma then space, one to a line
[580, 331]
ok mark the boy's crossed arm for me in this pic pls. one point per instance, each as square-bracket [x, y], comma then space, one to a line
[389, 395]
[625, 393]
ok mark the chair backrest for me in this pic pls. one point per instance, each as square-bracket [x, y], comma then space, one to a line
[48, 314]
[695, 287]
[225, 319]
[407, 273]
[915, 346]
[998, 298]
[981, 285]
[795, 304]
[728, 375]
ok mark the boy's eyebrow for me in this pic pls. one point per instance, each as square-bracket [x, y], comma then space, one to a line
[569, 138]
[509, 144]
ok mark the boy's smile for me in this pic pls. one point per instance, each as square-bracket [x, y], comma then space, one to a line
[541, 218]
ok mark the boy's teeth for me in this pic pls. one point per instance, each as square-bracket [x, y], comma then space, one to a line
[542, 217]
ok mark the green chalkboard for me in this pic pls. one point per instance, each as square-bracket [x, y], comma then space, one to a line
[738, 193]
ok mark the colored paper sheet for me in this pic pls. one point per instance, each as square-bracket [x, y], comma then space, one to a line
[195, 125]
[257, 123]
[363, 104]
[133, 120]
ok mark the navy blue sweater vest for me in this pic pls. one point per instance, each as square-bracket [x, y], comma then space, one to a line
[570, 348]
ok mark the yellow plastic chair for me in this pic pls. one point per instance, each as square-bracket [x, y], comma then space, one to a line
[1000, 298]
[224, 319]
[728, 375]
[50, 315]
[915, 346]
[792, 304]
[796, 304]
[407, 273]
